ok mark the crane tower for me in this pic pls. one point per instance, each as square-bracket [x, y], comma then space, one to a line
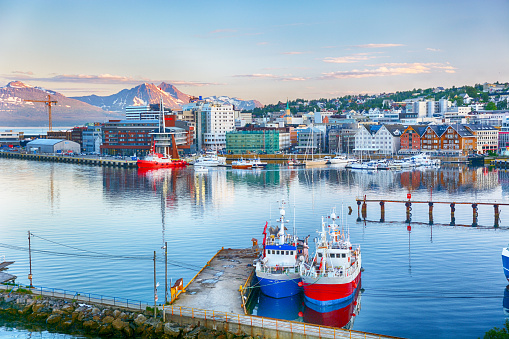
[48, 103]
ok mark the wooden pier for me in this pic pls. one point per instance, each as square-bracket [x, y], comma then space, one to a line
[97, 161]
[362, 209]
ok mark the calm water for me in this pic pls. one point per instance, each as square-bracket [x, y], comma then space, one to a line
[95, 230]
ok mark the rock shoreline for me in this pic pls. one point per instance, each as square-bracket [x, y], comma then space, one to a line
[73, 317]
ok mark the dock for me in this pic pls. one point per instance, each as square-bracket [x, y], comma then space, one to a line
[217, 284]
[4, 276]
[95, 161]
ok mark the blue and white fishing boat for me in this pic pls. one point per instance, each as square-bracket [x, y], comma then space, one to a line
[277, 269]
[505, 261]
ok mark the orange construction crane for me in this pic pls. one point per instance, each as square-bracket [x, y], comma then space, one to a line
[48, 103]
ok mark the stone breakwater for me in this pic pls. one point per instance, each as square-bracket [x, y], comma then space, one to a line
[67, 316]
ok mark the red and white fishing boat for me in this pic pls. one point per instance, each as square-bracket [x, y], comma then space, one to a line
[242, 164]
[333, 274]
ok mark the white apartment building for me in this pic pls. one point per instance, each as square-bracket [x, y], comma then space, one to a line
[487, 137]
[219, 119]
[380, 139]
[10, 137]
[456, 114]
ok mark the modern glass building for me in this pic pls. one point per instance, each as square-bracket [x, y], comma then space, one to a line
[252, 141]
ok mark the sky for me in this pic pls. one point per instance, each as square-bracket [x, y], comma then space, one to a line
[262, 50]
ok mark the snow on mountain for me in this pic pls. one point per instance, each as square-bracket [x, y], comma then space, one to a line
[238, 103]
[15, 111]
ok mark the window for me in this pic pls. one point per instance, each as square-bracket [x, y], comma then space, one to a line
[343, 255]
[277, 252]
[319, 255]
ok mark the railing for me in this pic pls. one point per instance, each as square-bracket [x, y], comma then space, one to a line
[270, 323]
[79, 296]
[181, 311]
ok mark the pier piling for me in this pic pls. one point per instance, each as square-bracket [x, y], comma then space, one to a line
[474, 215]
[430, 204]
[453, 219]
[497, 215]
[364, 210]
[359, 210]
[408, 205]
[382, 211]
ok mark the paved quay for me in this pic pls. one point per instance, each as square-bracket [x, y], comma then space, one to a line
[216, 286]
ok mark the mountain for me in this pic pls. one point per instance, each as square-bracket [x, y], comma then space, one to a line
[140, 95]
[146, 94]
[14, 111]
[238, 103]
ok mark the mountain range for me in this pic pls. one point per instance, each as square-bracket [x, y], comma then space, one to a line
[145, 94]
[16, 112]
[70, 111]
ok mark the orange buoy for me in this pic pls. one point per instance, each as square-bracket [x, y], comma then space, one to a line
[300, 284]
[301, 314]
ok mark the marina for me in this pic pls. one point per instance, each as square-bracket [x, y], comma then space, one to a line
[128, 214]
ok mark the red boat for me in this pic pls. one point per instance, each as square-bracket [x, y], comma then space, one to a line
[333, 275]
[158, 160]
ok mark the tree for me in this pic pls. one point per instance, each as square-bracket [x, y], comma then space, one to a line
[502, 104]
[490, 106]
[498, 333]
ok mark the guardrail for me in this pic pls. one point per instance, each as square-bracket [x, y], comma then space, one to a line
[79, 296]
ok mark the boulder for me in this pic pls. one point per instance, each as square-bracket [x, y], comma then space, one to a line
[171, 330]
[53, 319]
[27, 310]
[90, 325]
[108, 319]
[37, 307]
[140, 320]
[159, 328]
[105, 330]
[116, 313]
[67, 324]
[118, 324]
[96, 311]
[68, 308]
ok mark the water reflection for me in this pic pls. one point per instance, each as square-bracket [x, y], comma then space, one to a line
[339, 315]
[282, 308]
[505, 303]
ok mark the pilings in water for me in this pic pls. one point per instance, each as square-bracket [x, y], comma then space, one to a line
[362, 210]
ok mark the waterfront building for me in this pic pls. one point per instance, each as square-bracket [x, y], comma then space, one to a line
[173, 136]
[378, 139]
[503, 137]
[257, 140]
[486, 137]
[410, 139]
[9, 137]
[341, 138]
[216, 121]
[92, 138]
[128, 137]
[448, 140]
[53, 146]
[310, 140]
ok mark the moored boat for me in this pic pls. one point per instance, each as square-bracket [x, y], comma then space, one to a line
[277, 269]
[257, 163]
[158, 160]
[242, 164]
[505, 261]
[295, 163]
[333, 274]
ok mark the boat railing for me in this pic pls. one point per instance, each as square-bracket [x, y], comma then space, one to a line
[280, 269]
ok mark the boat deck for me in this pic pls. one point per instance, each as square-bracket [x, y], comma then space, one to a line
[216, 286]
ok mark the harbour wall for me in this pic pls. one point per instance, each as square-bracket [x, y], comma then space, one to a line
[97, 161]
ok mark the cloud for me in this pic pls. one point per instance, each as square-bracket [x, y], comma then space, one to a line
[433, 49]
[350, 58]
[294, 53]
[23, 73]
[378, 45]
[389, 69]
[226, 30]
[271, 76]
[108, 79]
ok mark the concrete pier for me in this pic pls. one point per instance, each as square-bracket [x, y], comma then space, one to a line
[217, 285]
[84, 160]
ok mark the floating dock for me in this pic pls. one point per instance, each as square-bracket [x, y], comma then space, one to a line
[71, 159]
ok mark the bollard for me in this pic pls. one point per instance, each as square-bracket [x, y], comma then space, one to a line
[497, 215]
[408, 205]
[453, 219]
[382, 211]
[474, 215]
[430, 204]
[358, 210]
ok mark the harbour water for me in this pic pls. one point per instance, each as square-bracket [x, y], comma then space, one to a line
[95, 230]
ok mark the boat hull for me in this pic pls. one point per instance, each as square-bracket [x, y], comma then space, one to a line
[242, 166]
[279, 287]
[155, 164]
[325, 292]
[505, 262]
